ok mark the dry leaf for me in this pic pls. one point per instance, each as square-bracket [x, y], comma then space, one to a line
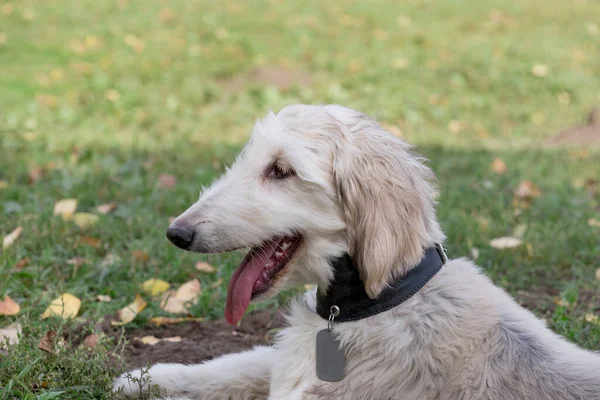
[66, 306]
[216, 284]
[155, 286]
[10, 334]
[47, 342]
[140, 255]
[65, 208]
[102, 298]
[174, 339]
[598, 274]
[519, 231]
[35, 174]
[108, 260]
[9, 307]
[175, 302]
[593, 222]
[527, 190]
[149, 340]
[592, 318]
[91, 341]
[77, 261]
[3, 184]
[90, 241]
[106, 208]
[166, 181]
[22, 263]
[505, 242]
[85, 220]
[475, 253]
[11, 238]
[499, 166]
[540, 70]
[160, 321]
[128, 313]
[205, 267]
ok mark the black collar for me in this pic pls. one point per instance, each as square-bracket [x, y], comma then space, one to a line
[347, 291]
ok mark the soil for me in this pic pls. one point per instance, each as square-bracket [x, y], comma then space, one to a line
[201, 341]
[587, 134]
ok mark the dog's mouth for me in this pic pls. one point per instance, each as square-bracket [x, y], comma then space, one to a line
[257, 272]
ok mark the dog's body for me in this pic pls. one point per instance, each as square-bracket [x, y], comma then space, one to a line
[355, 189]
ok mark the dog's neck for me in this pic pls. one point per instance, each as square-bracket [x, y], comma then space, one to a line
[346, 293]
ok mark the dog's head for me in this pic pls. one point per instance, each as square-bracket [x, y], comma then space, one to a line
[312, 183]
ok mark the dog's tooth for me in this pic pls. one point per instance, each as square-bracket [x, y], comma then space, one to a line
[285, 245]
[278, 254]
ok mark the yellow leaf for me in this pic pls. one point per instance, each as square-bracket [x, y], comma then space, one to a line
[598, 274]
[155, 286]
[592, 319]
[10, 334]
[85, 220]
[9, 307]
[189, 291]
[128, 313]
[66, 306]
[102, 298]
[174, 339]
[505, 242]
[149, 340]
[176, 301]
[205, 267]
[65, 208]
[160, 321]
[11, 238]
[593, 222]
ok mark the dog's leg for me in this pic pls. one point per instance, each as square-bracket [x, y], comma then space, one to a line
[242, 376]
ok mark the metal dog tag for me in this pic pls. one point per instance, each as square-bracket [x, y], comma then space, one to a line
[331, 360]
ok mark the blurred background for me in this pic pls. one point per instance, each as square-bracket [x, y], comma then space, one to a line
[129, 106]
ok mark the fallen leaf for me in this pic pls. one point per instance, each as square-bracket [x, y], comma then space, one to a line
[593, 222]
[3, 184]
[155, 286]
[527, 190]
[140, 255]
[10, 334]
[519, 231]
[149, 340]
[85, 220]
[166, 181]
[205, 267]
[598, 274]
[128, 313]
[505, 242]
[176, 302]
[216, 284]
[66, 306]
[91, 341]
[160, 321]
[22, 263]
[540, 70]
[475, 253]
[499, 166]
[47, 342]
[11, 238]
[65, 208]
[35, 174]
[9, 307]
[174, 339]
[562, 303]
[592, 318]
[106, 208]
[102, 298]
[90, 241]
[109, 259]
[77, 261]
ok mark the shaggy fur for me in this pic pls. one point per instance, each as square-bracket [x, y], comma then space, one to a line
[360, 190]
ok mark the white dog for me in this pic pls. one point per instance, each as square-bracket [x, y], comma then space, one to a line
[316, 184]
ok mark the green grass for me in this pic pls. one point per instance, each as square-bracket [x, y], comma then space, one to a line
[105, 120]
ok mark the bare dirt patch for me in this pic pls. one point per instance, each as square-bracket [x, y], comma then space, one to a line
[282, 78]
[587, 134]
[201, 341]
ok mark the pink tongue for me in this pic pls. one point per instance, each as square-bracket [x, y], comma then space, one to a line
[240, 286]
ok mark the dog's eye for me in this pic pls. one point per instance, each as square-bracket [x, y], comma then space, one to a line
[278, 171]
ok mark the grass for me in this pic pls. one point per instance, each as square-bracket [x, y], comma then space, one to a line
[106, 96]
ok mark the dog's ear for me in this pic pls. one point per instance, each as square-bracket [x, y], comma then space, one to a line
[386, 196]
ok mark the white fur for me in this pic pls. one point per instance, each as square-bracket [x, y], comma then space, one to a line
[360, 190]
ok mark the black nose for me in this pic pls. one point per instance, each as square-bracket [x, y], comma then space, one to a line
[180, 237]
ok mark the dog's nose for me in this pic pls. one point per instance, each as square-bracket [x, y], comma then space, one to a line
[180, 236]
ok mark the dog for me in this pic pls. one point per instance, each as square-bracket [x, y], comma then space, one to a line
[319, 184]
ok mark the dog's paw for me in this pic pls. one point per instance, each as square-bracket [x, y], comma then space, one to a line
[131, 383]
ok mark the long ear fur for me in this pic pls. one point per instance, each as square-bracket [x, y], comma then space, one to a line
[386, 194]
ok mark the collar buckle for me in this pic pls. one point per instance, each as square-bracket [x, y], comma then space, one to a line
[442, 252]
